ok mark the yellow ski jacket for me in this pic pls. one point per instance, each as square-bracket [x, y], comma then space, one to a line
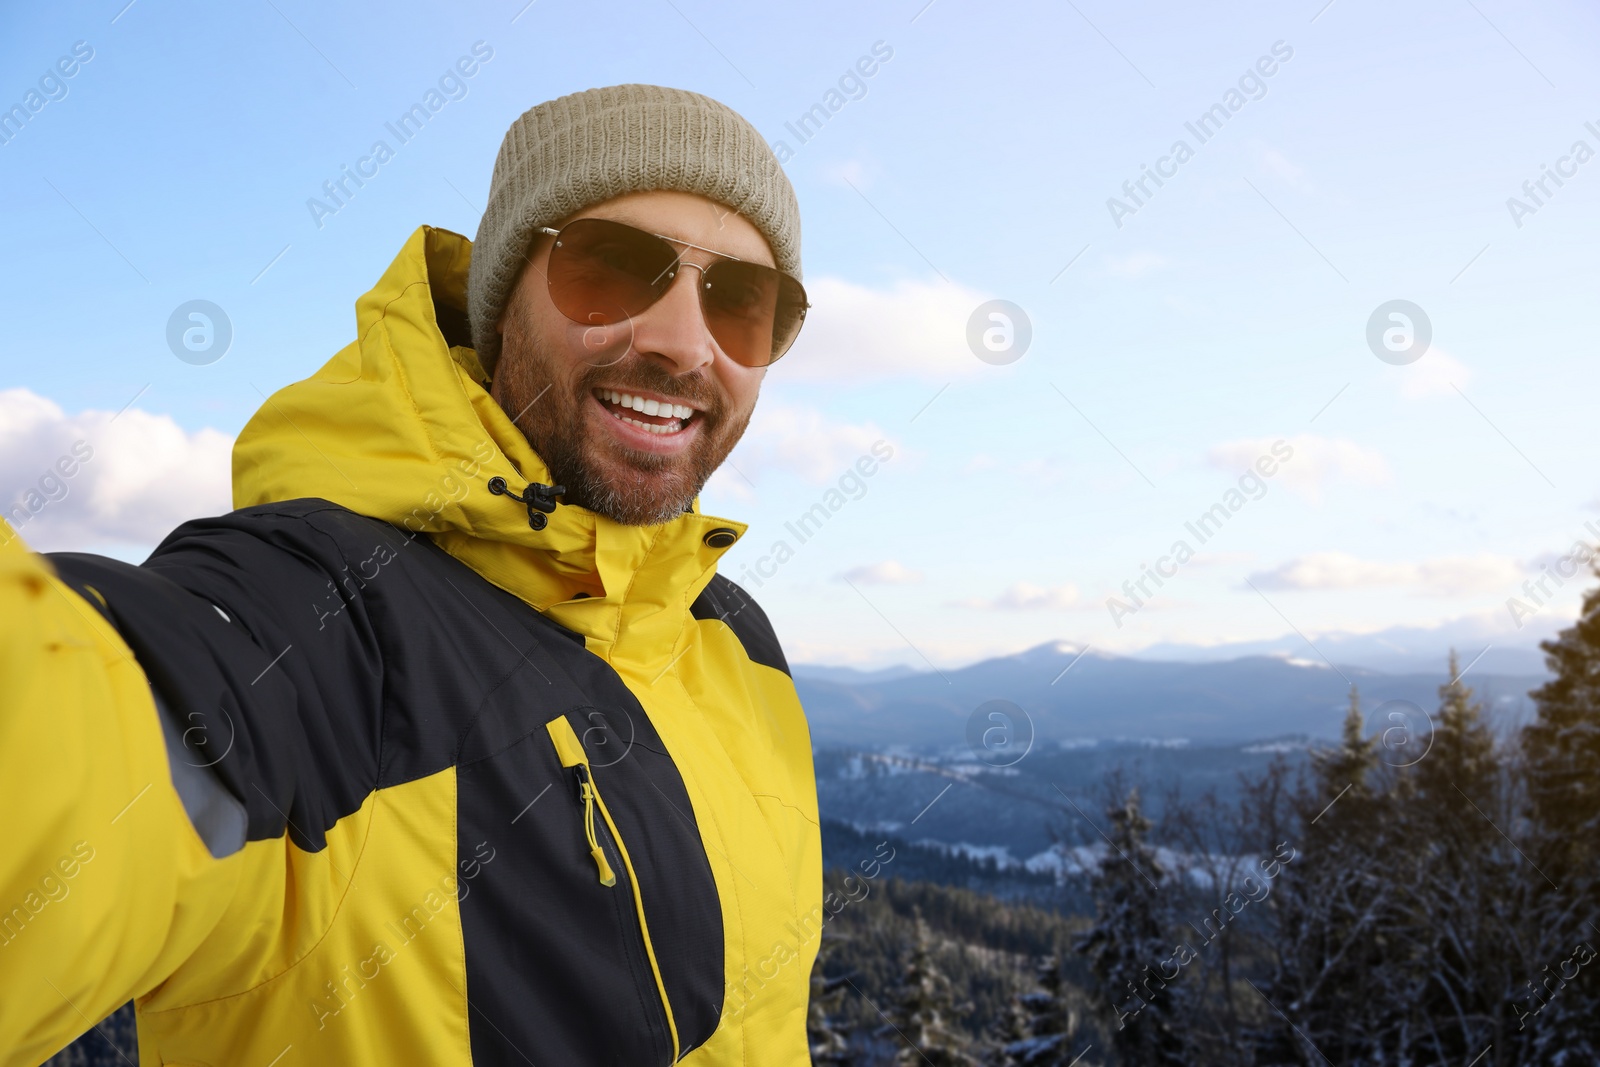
[389, 766]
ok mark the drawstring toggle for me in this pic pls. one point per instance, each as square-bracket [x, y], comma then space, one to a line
[540, 499]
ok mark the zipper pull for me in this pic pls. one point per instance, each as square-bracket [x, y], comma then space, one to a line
[587, 793]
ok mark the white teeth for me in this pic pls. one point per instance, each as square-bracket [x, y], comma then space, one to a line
[659, 408]
[649, 427]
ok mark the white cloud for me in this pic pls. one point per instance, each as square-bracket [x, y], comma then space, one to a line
[1025, 596]
[1315, 461]
[1221, 559]
[134, 476]
[912, 329]
[1290, 172]
[1135, 264]
[1435, 374]
[889, 572]
[803, 442]
[847, 172]
[1443, 576]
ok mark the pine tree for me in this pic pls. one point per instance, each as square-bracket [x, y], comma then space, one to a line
[1561, 753]
[1353, 762]
[1461, 906]
[1342, 808]
[1460, 767]
[1562, 747]
[1340, 980]
[1406, 925]
[1010, 1030]
[924, 1008]
[1128, 942]
[1039, 1023]
[828, 1044]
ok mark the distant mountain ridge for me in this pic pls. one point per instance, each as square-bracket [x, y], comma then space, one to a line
[1071, 694]
[1397, 650]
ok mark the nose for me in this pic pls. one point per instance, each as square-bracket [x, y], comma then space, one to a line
[673, 330]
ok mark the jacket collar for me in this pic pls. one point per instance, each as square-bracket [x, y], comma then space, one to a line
[399, 426]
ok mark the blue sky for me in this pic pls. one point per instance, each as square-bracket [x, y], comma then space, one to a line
[1229, 311]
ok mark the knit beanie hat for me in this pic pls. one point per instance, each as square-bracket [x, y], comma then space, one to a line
[566, 154]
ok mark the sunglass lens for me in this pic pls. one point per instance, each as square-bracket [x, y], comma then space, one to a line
[753, 311]
[602, 272]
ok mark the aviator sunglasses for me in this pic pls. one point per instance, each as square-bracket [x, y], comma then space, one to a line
[602, 272]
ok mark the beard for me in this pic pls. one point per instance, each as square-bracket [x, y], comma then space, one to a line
[548, 401]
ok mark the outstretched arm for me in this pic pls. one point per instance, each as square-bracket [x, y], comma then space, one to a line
[99, 853]
[155, 720]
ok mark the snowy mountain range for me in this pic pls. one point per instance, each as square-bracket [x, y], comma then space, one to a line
[1235, 694]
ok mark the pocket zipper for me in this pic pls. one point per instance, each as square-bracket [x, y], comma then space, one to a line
[569, 750]
[586, 794]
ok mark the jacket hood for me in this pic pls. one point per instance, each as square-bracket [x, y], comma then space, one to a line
[399, 426]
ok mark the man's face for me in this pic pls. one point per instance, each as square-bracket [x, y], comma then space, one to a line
[559, 380]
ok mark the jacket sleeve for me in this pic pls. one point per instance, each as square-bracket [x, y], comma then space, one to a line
[155, 720]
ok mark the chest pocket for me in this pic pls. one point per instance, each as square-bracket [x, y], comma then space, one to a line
[596, 935]
[572, 756]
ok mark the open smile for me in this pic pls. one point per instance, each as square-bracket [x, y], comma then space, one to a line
[650, 422]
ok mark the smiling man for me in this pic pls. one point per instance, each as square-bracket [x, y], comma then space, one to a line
[450, 745]
[636, 438]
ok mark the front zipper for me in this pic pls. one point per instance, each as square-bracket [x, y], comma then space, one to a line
[569, 750]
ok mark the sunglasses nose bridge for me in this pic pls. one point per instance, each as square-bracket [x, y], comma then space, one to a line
[687, 353]
[670, 272]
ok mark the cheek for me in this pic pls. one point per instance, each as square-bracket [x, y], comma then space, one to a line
[593, 346]
[565, 349]
[741, 385]
[539, 348]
